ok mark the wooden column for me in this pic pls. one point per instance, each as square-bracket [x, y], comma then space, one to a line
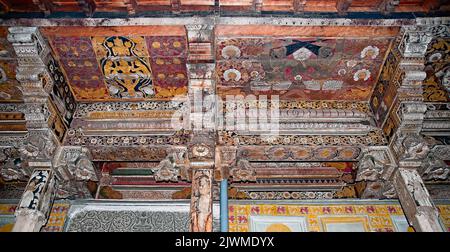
[38, 149]
[201, 150]
[407, 143]
[416, 201]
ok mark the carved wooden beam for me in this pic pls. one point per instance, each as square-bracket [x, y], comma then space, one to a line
[416, 201]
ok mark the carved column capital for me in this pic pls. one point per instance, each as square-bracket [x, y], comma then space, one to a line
[415, 41]
[74, 163]
[434, 167]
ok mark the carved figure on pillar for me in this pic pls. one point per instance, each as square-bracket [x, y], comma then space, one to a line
[201, 201]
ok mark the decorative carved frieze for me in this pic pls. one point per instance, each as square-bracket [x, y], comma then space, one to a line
[74, 163]
[434, 166]
[12, 166]
[373, 138]
[84, 110]
[243, 172]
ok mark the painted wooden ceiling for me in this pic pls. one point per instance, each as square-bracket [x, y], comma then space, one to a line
[132, 63]
[9, 91]
[133, 7]
[149, 62]
[301, 63]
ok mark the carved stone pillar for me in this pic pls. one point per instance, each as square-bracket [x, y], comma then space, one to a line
[407, 143]
[34, 207]
[41, 143]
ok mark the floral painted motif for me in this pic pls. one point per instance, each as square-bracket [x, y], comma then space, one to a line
[300, 68]
[377, 217]
[370, 52]
[362, 74]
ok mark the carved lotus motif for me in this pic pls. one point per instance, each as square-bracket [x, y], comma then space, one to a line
[200, 151]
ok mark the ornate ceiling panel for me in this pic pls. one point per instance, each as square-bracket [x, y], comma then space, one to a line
[121, 63]
[296, 67]
[9, 91]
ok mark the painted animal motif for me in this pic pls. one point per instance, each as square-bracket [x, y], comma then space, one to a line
[127, 74]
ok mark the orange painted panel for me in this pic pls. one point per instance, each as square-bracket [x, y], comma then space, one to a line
[305, 31]
[78, 31]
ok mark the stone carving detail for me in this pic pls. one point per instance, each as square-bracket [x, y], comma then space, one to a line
[415, 42]
[415, 147]
[74, 163]
[243, 171]
[201, 200]
[11, 165]
[167, 169]
[39, 145]
[434, 167]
